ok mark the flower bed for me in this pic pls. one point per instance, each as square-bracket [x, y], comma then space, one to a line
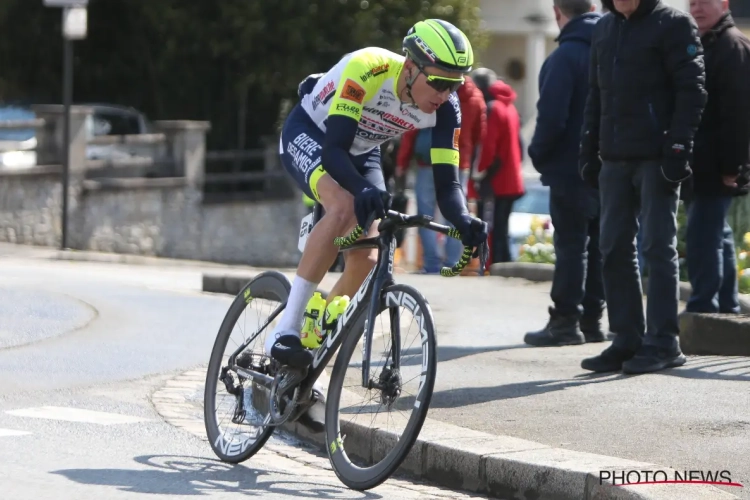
[538, 247]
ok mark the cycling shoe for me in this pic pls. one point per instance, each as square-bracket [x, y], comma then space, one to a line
[289, 351]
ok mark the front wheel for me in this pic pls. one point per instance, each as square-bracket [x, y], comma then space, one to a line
[395, 403]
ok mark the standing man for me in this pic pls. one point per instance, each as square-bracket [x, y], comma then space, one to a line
[577, 289]
[722, 150]
[644, 105]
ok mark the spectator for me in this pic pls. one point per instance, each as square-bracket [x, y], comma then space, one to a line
[577, 289]
[643, 108]
[722, 150]
[417, 144]
[498, 180]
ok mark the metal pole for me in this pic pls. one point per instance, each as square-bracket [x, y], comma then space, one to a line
[67, 98]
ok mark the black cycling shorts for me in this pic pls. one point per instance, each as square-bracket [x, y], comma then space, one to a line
[301, 147]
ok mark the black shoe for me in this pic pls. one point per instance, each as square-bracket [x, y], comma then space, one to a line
[652, 359]
[289, 351]
[314, 419]
[559, 331]
[591, 327]
[610, 360]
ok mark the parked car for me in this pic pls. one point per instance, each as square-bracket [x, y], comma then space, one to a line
[17, 147]
[534, 204]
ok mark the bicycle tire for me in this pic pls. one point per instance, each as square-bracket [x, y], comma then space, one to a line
[271, 285]
[353, 476]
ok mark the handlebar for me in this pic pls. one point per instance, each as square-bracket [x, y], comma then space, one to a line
[399, 220]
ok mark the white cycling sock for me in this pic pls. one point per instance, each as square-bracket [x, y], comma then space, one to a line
[291, 319]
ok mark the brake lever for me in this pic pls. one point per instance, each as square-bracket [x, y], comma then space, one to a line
[484, 255]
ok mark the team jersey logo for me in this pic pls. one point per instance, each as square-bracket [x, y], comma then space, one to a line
[353, 91]
[377, 70]
[456, 137]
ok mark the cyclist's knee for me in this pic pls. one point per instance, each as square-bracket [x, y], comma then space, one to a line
[338, 204]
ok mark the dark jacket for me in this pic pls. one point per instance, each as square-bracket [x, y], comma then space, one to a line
[722, 143]
[647, 84]
[563, 87]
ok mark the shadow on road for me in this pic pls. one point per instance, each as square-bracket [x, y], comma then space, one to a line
[463, 396]
[729, 368]
[194, 476]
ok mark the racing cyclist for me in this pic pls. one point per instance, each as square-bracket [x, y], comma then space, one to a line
[330, 145]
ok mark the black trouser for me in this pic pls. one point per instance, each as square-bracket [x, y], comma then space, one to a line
[627, 188]
[502, 207]
[577, 287]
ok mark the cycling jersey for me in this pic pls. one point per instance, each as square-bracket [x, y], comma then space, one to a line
[362, 85]
[349, 112]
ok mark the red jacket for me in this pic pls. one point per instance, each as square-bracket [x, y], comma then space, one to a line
[502, 142]
[473, 126]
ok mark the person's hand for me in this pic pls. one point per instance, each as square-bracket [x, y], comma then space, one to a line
[589, 171]
[369, 204]
[675, 165]
[730, 180]
[473, 231]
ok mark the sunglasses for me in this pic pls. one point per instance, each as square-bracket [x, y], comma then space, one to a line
[442, 83]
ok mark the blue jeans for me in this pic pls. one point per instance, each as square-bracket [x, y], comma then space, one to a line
[427, 205]
[577, 287]
[711, 262]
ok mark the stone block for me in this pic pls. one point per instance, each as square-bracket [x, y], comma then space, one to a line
[715, 334]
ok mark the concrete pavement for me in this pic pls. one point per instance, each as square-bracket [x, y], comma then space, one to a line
[77, 419]
[531, 417]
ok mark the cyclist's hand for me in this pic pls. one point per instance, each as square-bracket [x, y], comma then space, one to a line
[369, 204]
[473, 231]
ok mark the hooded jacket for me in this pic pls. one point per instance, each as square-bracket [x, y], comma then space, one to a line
[722, 142]
[646, 79]
[563, 87]
[501, 143]
[473, 126]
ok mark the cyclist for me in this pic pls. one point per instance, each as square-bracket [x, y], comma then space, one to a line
[330, 145]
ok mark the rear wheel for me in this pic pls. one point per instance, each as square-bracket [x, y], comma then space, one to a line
[395, 403]
[236, 406]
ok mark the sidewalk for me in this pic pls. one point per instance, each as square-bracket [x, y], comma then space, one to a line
[691, 418]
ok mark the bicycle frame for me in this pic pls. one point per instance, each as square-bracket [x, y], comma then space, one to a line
[370, 290]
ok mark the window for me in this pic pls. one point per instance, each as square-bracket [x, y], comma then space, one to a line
[113, 123]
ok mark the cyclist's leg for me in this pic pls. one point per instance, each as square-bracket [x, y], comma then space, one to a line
[301, 145]
[360, 262]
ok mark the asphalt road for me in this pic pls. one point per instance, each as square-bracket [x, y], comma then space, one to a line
[84, 347]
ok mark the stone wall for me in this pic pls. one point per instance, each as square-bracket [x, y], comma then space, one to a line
[171, 221]
[30, 208]
[157, 217]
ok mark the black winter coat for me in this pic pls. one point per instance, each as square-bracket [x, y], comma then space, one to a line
[722, 143]
[646, 84]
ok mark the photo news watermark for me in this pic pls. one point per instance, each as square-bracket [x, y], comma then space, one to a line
[657, 476]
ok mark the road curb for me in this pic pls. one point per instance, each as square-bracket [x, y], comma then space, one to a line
[501, 466]
[709, 334]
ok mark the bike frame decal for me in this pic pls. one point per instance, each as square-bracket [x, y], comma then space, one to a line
[395, 299]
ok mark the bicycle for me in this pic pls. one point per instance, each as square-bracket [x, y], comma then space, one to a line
[280, 394]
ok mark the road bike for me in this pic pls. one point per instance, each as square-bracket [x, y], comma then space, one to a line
[262, 394]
